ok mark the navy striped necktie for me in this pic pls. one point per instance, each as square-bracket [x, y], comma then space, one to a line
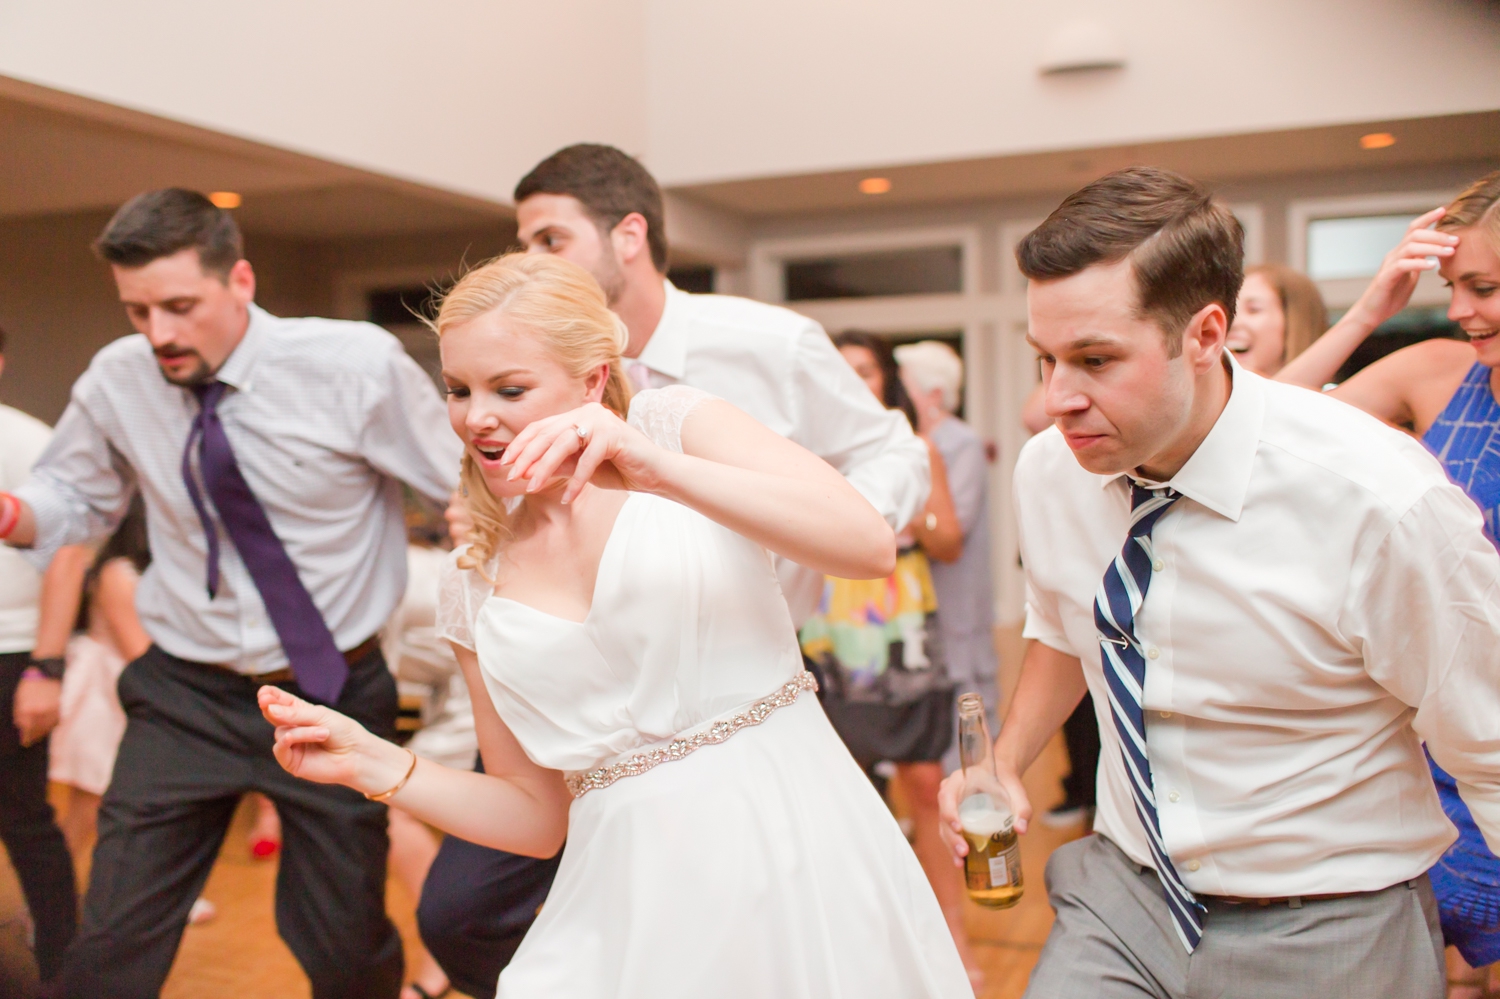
[317, 664]
[1121, 594]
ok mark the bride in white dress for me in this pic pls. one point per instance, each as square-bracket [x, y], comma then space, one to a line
[646, 696]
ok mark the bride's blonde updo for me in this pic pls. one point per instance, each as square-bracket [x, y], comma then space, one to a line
[561, 305]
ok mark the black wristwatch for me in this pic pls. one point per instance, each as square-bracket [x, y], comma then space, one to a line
[52, 668]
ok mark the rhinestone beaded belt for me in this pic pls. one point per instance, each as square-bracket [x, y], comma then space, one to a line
[584, 781]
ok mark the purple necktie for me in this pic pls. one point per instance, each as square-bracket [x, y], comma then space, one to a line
[317, 663]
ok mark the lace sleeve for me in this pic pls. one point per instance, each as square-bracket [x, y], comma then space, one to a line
[461, 592]
[658, 413]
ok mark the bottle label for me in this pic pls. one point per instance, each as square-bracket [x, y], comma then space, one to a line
[998, 873]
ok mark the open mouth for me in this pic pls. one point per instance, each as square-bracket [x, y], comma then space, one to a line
[490, 451]
[1481, 336]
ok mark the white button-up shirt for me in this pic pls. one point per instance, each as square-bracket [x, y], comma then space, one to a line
[326, 418]
[1323, 598]
[22, 440]
[781, 368]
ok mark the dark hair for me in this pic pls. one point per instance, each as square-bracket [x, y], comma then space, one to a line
[160, 223]
[607, 182]
[129, 542]
[1185, 248]
[2, 339]
[890, 372]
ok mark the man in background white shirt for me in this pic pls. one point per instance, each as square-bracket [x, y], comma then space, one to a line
[601, 209]
[1304, 597]
[29, 695]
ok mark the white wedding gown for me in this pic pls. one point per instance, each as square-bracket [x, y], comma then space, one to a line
[761, 866]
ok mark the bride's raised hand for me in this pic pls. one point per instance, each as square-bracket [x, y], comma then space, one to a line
[315, 742]
[590, 443]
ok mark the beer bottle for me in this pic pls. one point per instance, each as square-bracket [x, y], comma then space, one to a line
[992, 869]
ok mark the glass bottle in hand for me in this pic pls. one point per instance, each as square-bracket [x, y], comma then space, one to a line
[992, 869]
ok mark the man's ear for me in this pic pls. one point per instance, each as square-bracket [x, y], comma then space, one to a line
[1203, 339]
[241, 281]
[629, 238]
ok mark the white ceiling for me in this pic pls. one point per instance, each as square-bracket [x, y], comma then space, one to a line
[60, 153]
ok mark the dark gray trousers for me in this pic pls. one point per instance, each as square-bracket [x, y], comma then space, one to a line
[1114, 939]
[195, 741]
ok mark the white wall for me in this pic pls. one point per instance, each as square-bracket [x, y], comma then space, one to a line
[461, 94]
[796, 86]
[468, 94]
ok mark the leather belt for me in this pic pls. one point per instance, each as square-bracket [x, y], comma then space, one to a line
[352, 656]
[1290, 901]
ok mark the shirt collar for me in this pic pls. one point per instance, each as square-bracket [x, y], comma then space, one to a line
[666, 350]
[1218, 473]
[238, 368]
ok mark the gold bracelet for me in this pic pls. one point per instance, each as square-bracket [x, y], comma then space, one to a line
[387, 795]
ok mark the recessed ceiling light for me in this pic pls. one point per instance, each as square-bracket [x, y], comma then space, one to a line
[225, 199]
[874, 185]
[1377, 140]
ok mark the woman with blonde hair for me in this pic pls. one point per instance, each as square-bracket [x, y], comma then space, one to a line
[1448, 393]
[638, 686]
[1279, 314]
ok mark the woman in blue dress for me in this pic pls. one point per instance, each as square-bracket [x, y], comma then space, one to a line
[1448, 393]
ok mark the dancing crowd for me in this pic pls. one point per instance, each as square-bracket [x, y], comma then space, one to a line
[687, 589]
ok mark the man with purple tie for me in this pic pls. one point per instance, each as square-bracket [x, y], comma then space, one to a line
[270, 454]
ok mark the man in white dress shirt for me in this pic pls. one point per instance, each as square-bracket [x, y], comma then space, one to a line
[270, 454]
[1303, 599]
[601, 209]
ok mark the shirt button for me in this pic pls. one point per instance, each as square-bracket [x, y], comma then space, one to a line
[1193, 865]
[1158, 565]
[1153, 653]
[1173, 795]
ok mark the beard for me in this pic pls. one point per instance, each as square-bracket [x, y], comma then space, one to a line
[611, 280]
[200, 373]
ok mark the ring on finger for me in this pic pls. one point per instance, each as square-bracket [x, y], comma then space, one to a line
[581, 431]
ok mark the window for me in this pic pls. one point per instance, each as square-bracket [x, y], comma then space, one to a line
[698, 280]
[1411, 325]
[923, 271]
[396, 306]
[1352, 247]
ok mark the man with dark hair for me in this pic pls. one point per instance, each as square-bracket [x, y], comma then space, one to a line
[269, 453]
[1272, 598]
[601, 209]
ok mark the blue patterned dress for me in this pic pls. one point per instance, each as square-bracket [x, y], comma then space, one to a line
[1466, 439]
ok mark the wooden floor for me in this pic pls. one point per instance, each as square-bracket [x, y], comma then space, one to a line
[239, 956]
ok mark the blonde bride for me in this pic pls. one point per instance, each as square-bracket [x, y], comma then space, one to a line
[637, 685]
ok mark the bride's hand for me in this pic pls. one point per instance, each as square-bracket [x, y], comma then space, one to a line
[590, 443]
[318, 744]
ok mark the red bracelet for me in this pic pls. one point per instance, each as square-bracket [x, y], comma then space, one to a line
[10, 514]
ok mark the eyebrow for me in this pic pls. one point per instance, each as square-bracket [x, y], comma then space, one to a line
[492, 378]
[1080, 344]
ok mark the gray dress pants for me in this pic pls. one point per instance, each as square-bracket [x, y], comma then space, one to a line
[1114, 939]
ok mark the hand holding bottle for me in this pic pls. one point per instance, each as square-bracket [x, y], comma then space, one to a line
[979, 820]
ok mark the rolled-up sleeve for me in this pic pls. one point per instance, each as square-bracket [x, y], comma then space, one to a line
[1425, 613]
[79, 488]
[840, 421]
[406, 434]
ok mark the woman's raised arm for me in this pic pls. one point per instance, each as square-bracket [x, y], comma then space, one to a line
[731, 469]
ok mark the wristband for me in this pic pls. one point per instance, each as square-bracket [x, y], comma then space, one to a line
[50, 668]
[10, 514]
